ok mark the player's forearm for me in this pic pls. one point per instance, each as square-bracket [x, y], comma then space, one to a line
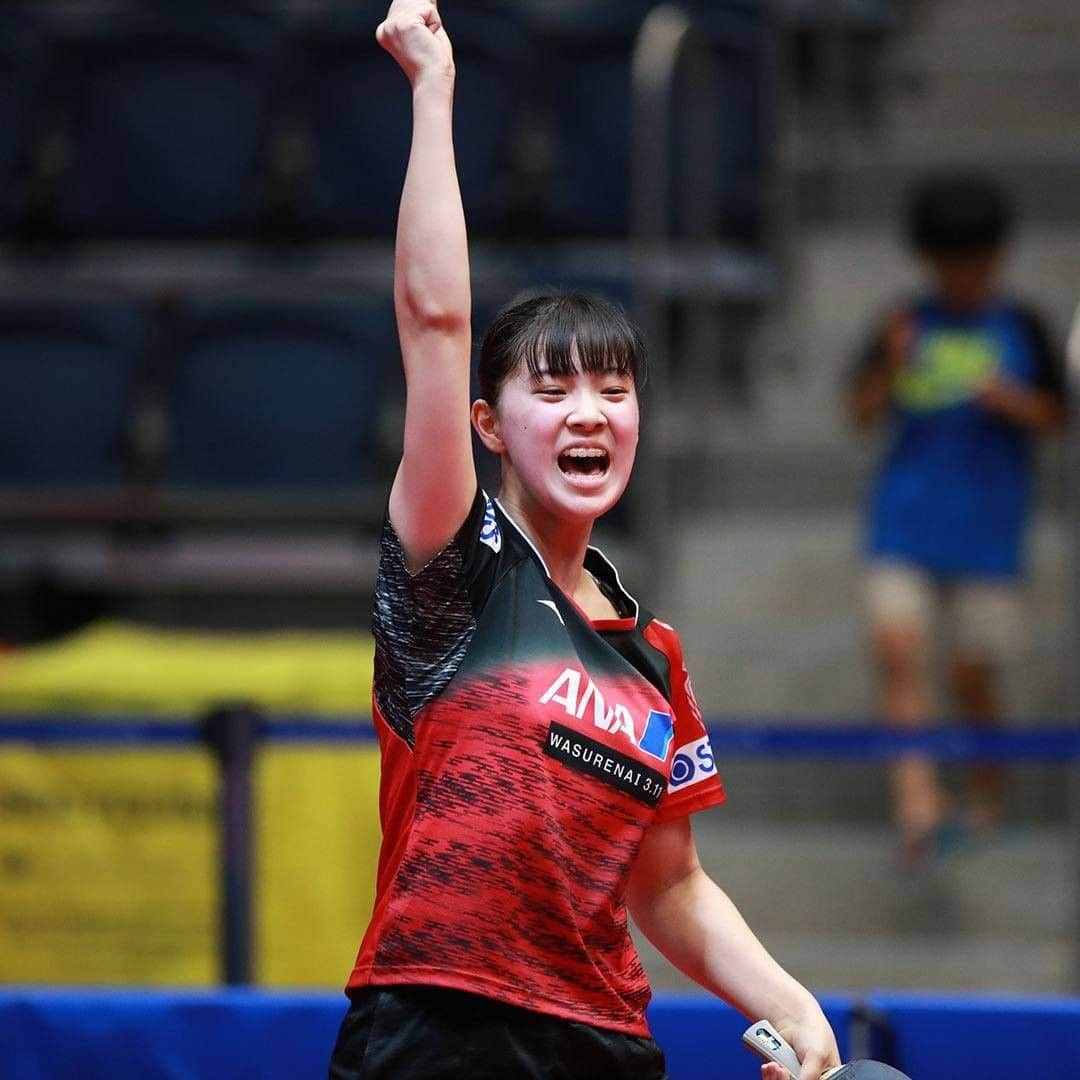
[431, 268]
[870, 397]
[698, 928]
[1032, 409]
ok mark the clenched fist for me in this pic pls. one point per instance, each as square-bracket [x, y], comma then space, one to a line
[413, 34]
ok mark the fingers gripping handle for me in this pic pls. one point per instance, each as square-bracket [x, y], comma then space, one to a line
[765, 1041]
[769, 1044]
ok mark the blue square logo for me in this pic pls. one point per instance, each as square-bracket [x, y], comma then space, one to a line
[656, 739]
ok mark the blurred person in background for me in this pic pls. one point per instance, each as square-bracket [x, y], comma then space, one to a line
[965, 377]
[541, 748]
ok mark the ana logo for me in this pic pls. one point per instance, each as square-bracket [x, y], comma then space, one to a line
[567, 691]
[692, 764]
[659, 728]
[490, 533]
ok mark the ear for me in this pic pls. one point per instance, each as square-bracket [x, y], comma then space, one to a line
[486, 423]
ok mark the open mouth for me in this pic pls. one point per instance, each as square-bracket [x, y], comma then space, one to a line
[584, 461]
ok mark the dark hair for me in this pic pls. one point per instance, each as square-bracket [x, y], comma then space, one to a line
[545, 330]
[960, 213]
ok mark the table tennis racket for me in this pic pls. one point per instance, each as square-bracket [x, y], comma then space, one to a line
[769, 1045]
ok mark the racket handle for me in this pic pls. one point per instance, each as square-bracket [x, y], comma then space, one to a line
[765, 1041]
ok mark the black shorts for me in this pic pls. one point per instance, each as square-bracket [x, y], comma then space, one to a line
[428, 1033]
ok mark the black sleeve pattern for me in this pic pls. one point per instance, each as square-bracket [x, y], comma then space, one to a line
[422, 623]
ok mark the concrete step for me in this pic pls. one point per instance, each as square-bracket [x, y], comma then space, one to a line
[769, 609]
[1039, 48]
[976, 20]
[860, 965]
[865, 183]
[995, 85]
[844, 879]
[994, 100]
[832, 906]
[963, 964]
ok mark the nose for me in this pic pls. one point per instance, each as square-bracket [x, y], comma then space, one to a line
[587, 411]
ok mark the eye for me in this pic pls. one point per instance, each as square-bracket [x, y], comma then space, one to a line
[550, 391]
[616, 391]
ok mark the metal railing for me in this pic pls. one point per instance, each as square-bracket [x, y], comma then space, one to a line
[677, 256]
[235, 735]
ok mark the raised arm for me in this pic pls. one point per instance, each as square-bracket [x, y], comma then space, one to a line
[436, 480]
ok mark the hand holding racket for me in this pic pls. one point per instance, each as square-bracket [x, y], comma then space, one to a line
[765, 1041]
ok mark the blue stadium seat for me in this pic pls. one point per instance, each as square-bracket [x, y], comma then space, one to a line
[67, 375]
[168, 112]
[586, 87]
[739, 36]
[273, 391]
[357, 115]
[584, 84]
[23, 70]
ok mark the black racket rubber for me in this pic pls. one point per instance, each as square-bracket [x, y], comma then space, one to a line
[867, 1070]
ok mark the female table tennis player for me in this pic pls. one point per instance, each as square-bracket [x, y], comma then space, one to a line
[541, 747]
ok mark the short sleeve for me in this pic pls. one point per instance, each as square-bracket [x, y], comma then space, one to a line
[423, 623]
[694, 782]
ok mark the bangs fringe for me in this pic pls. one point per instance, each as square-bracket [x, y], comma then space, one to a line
[580, 334]
[560, 333]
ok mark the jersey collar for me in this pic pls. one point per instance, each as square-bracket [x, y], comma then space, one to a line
[603, 570]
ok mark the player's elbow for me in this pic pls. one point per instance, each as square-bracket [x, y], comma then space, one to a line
[651, 895]
[427, 312]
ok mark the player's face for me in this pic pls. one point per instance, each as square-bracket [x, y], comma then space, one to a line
[567, 441]
[966, 282]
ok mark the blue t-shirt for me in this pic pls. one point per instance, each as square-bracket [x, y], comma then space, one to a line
[953, 493]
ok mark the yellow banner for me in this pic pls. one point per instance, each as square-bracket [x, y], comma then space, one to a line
[317, 857]
[119, 668]
[108, 858]
[109, 864]
[107, 867]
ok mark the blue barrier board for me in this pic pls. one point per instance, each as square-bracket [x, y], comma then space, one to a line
[260, 1035]
[944, 1037]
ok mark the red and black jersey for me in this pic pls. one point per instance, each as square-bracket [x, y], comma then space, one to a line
[525, 749]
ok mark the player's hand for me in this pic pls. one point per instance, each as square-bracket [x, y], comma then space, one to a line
[413, 34]
[778, 1072]
[815, 1045]
[1000, 395]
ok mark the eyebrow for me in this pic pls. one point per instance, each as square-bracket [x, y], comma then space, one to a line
[544, 373]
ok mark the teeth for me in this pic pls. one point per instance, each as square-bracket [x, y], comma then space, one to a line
[586, 451]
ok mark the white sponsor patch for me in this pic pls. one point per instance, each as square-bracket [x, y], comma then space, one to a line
[588, 700]
[692, 764]
[490, 533]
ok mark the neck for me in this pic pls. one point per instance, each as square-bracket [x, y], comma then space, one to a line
[561, 544]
